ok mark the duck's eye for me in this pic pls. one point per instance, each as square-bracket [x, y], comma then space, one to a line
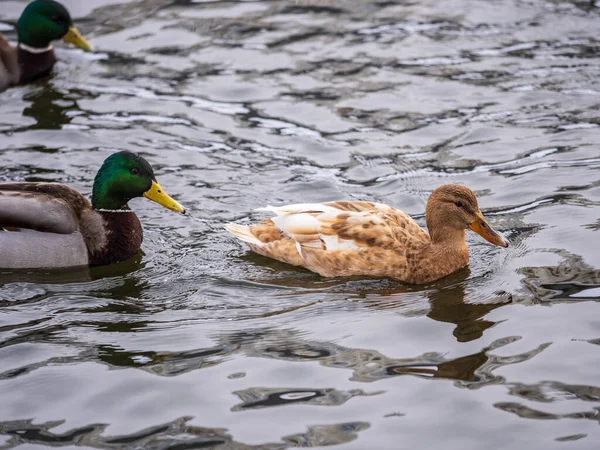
[57, 20]
[459, 204]
[135, 171]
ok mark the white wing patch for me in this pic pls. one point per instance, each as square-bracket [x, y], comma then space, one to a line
[300, 227]
[306, 224]
[336, 243]
[298, 208]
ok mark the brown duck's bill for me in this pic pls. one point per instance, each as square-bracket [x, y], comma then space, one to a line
[74, 37]
[481, 227]
[156, 194]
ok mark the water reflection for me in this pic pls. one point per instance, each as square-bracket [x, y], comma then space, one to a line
[178, 434]
[73, 275]
[365, 365]
[118, 281]
[447, 302]
[572, 280]
[531, 413]
[550, 391]
[165, 363]
[448, 305]
[370, 365]
[254, 398]
[51, 108]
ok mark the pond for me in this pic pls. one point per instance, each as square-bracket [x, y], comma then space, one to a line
[198, 343]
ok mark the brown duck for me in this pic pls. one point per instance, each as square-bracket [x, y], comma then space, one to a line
[42, 22]
[371, 239]
[51, 225]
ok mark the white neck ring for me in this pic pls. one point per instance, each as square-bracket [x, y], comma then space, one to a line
[114, 210]
[30, 49]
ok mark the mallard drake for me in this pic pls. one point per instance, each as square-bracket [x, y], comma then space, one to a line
[371, 239]
[50, 225]
[42, 22]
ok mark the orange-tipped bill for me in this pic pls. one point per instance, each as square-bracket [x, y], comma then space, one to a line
[156, 194]
[74, 37]
[481, 227]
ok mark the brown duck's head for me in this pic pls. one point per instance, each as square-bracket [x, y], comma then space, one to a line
[451, 209]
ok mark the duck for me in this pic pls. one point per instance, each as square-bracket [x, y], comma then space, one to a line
[41, 23]
[360, 238]
[53, 226]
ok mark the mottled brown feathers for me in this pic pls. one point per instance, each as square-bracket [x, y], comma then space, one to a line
[370, 239]
[266, 231]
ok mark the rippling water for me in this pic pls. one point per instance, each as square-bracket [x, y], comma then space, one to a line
[200, 344]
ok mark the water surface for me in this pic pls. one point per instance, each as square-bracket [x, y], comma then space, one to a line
[199, 344]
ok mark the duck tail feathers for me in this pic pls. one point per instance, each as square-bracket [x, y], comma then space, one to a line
[243, 233]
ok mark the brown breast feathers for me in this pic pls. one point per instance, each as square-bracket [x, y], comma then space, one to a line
[123, 240]
[35, 65]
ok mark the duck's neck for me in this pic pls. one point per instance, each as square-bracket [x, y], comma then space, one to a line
[439, 258]
[35, 62]
[123, 240]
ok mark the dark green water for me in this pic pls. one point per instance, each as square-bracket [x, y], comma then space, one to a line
[200, 344]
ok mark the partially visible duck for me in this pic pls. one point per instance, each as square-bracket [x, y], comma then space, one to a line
[371, 239]
[42, 22]
[51, 225]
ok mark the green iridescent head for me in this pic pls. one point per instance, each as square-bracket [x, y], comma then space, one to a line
[44, 21]
[126, 175]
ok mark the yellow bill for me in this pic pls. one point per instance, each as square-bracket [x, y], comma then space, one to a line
[156, 194]
[481, 227]
[74, 37]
